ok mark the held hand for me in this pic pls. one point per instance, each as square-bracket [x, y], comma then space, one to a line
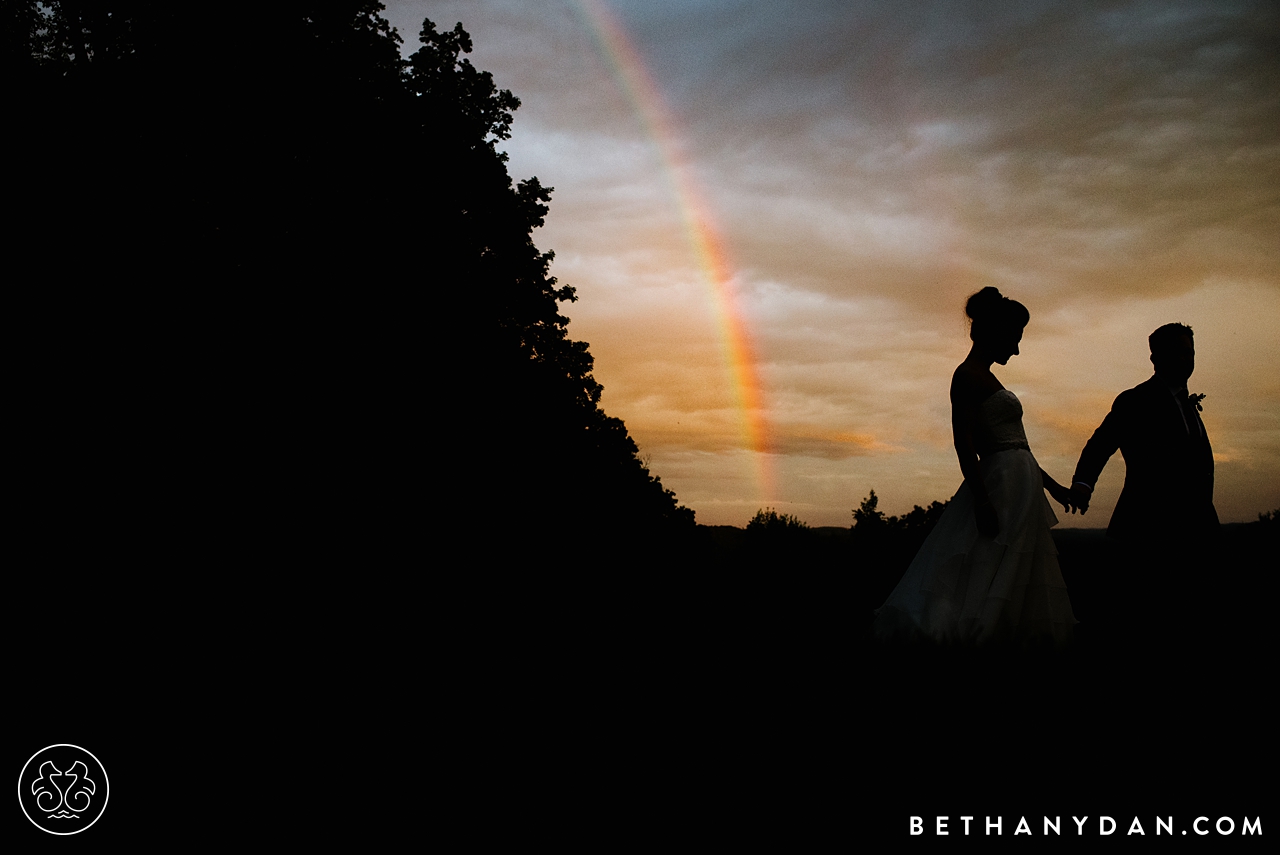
[985, 516]
[1064, 497]
[1080, 495]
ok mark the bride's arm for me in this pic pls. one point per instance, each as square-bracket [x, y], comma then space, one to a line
[1060, 494]
[962, 415]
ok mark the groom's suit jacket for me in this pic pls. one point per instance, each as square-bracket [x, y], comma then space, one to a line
[1168, 482]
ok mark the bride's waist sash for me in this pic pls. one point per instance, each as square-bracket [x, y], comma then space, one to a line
[1006, 445]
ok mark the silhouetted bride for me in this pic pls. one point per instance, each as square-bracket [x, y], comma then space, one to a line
[989, 569]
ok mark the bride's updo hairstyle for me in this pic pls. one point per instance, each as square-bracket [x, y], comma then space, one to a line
[993, 315]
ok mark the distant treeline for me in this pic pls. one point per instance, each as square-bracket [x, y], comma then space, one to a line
[844, 574]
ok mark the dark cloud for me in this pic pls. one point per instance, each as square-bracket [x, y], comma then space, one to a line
[1134, 144]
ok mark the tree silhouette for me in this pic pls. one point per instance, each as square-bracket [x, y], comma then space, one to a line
[885, 545]
[870, 522]
[274, 278]
[770, 520]
[540, 440]
[867, 517]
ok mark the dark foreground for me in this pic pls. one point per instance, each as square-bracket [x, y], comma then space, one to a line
[730, 694]
[745, 698]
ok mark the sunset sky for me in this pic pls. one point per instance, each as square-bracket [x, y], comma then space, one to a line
[773, 212]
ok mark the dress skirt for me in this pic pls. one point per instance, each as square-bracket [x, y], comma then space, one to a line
[968, 589]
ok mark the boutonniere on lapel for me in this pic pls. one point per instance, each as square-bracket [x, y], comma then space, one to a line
[1195, 398]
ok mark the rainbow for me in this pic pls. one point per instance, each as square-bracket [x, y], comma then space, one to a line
[700, 229]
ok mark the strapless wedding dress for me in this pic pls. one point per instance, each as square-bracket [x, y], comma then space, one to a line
[966, 588]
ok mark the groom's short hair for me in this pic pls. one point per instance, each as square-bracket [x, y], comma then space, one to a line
[1168, 335]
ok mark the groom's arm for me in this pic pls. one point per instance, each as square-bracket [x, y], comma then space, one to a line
[1104, 443]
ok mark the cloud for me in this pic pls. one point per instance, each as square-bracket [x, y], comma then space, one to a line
[828, 444]
[1016, 139]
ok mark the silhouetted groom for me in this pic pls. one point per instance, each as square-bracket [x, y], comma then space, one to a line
[1164, 517]
[1168, 483]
